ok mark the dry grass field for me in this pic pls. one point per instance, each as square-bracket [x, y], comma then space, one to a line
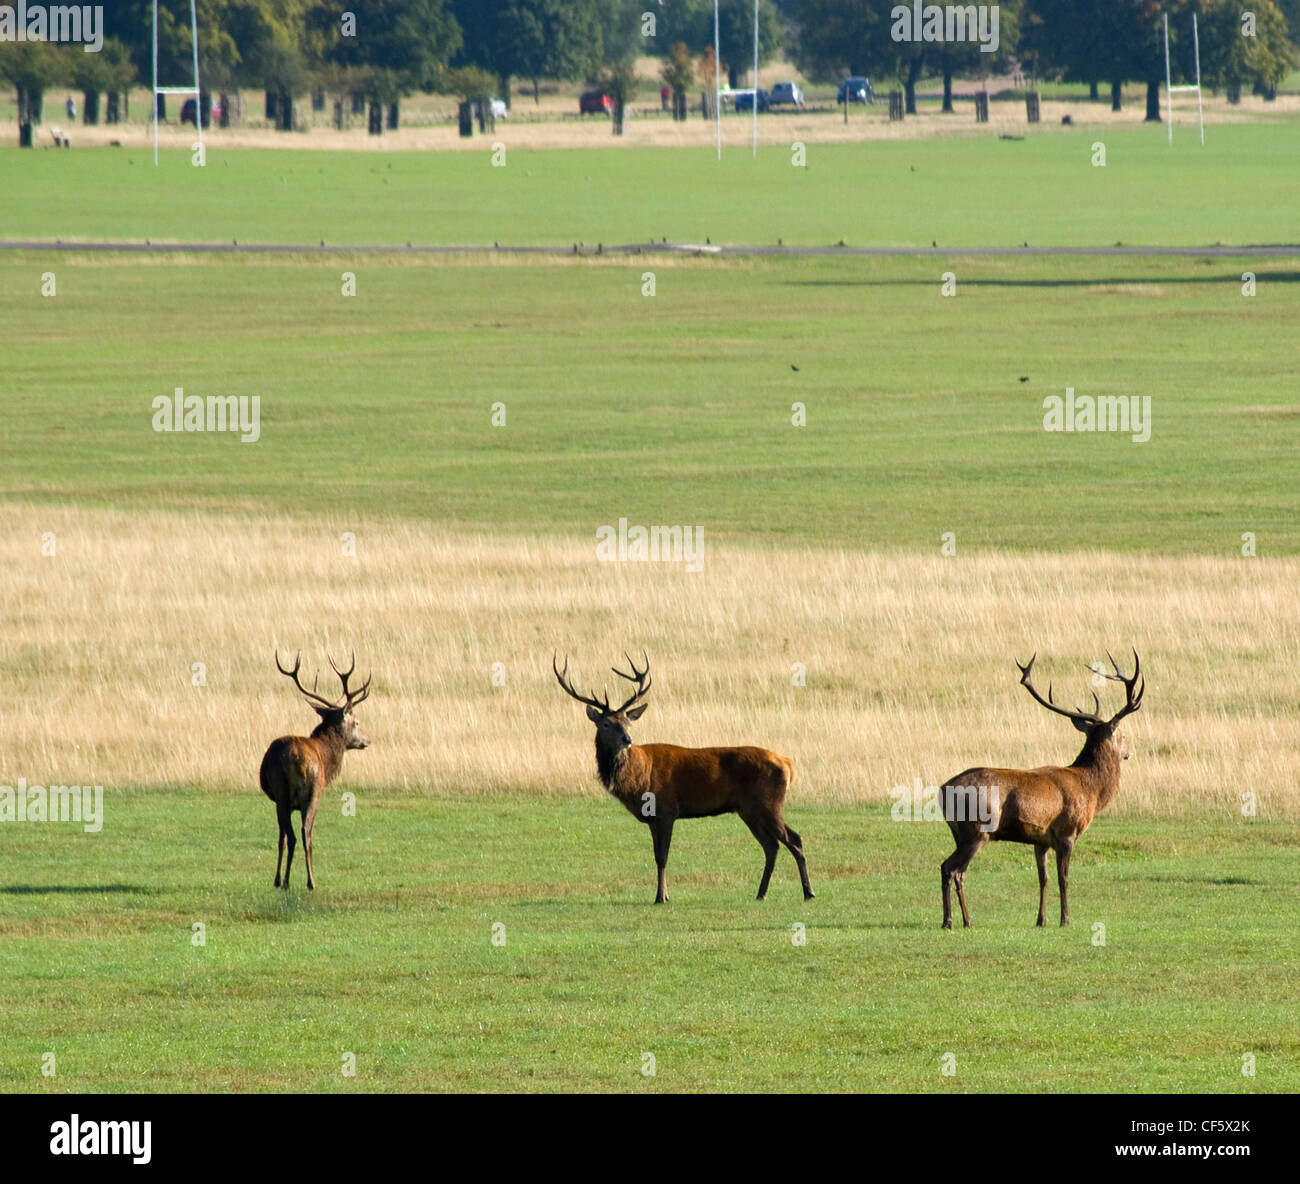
[909, 658]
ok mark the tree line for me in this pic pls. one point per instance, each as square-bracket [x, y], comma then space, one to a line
[368, 55]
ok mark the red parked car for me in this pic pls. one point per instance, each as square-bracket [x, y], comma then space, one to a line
[595, 102]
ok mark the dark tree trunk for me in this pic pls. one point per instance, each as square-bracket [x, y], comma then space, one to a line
[272, 112]
[90, 107]
[35, 104]
[111, 107]
[1153, 102]
[1093, 96]
[909, 87]
[376, 127]
[225, 109]
[162, 108]
[392, 116]
[24, 122]
[537, 94]
[733, 78]
[284, 108]
[318, 99]
[618, 117]
[358, 102]
[465, 113]
[947, 88]
[1116, 94]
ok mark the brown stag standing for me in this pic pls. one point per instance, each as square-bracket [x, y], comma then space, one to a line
[1048, 807]
[296, 769]
[660, 783]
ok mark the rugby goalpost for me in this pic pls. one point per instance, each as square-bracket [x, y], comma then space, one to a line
[1170, 91]
[717, 88]
[178, 90]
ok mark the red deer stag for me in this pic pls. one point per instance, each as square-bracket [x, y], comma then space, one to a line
[1048, 807]
[296, 769]
[660, 783]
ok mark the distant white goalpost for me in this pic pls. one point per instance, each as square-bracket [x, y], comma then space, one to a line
[177, 90]
[1170, 91]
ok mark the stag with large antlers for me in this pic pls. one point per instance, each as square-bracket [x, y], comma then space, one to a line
[660, 783]
[296, 769]
[1048, 807]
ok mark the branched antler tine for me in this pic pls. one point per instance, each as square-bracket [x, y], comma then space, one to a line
[640, 677]
[1048, 702]
[293, 674]
[568, 688]
[1134, 688]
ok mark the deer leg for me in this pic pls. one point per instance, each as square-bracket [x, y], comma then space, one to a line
[962, 856]
[794, 844]
[1063, 876]
[765, 832]
[1040, 854]
[661, 829]
[288, 836]
[279, 853]
[308, 829]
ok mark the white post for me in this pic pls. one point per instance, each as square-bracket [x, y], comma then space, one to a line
[717, 106]
[155, 83]
[198, 93]
[756, 78]
[1200, 111]
[1169, 94]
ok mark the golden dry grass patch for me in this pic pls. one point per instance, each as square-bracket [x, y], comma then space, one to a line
[909, 658]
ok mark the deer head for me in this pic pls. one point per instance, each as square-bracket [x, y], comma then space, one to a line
[611, 722]
[334, 716]
[1097, 729]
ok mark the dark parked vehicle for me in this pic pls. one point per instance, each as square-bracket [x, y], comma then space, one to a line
[594, 102]
[188, 110]
[857, 89]
[744, 99]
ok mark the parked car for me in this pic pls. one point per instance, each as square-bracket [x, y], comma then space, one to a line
[786, 92]
[857, 89]
[744, 99]
[595, 102]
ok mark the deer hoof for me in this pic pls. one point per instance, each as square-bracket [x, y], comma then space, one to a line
[947, 925]
[810, 895]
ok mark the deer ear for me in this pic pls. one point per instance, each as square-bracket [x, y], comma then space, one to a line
[1081, 725]
[594, 715]
[637, 712]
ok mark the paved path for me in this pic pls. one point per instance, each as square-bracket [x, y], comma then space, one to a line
[1218, 250]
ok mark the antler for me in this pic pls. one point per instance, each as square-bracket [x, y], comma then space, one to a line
[1088, 717]
[1132, 700]
[640, 677]
[350, 698]
[563, 680]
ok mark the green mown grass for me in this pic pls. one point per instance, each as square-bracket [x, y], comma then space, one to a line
[391, 958]
[964, 191]
[674, 408]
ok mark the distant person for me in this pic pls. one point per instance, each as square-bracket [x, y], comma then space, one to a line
[72, 107]
[664, 92]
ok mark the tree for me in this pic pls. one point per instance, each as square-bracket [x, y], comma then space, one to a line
[619, 81]
[92, 73]
[531, 39]
[396, 47]
[33, 67]
[1230, 58]
[472, 85]
[678, 72]
[691, 22]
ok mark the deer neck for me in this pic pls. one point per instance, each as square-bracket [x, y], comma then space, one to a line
[613, 766]
[1099, 762]
[330, 742]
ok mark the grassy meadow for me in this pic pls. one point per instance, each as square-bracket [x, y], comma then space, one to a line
[147, 579]
[959, 190]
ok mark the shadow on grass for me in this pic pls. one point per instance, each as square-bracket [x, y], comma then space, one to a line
[71, 889]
